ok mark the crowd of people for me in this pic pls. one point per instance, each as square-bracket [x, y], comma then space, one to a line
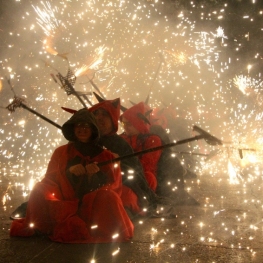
[88, 197]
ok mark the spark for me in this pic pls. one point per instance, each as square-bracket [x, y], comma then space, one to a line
[115, 236]
[96, 61]
[117, 45]
[31, 183]
[232, 174]
[114, 253]
[47, 18]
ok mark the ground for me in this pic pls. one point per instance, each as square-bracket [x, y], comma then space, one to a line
[226, 227]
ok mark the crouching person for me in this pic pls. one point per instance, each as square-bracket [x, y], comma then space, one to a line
[78, 201]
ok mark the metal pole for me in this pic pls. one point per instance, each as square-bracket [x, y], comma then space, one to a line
[40, 115]
[198, 137]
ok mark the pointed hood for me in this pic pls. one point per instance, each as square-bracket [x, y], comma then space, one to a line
[158, 117]
[112, 107]
[136, 116]
[69, 110]
[81, 116]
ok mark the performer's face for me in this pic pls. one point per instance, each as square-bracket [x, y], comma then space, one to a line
[83, 132]
[129, 128]
[104, 121]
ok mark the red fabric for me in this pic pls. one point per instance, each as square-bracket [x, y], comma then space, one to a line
[69, 110]
[113, 108]
[158, 117]
[54, 210]
[130, 200]
[132, 116]
[128, 197]
[149, 160]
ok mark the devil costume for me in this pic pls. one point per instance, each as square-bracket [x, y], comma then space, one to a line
[136, 193]
[163, 172]
[74, 209]
[144, 140]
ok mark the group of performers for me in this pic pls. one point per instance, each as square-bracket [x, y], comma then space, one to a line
[85, 199]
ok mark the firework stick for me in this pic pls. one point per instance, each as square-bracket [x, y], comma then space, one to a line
[204, 135]
[40, 115]
[87, 99]
[198, 137]
[96, 88]
[69, 86]
[73, 90]
[130, 155]
[155, 77]
[210, 139]
[75, 93]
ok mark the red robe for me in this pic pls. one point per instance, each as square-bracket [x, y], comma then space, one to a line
[131, 199]
[54, 209]
[149, 160]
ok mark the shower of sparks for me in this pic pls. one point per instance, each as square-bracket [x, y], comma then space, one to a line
[47, 19]
[232, 174]
[93, 65]
[248, 86]
[177, 58]
[117, 44]
[220, 33]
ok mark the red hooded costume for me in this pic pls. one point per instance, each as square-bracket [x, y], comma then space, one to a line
[73, 209]
[113, 109]
[144, 140]
[133, 191]
[158, 118]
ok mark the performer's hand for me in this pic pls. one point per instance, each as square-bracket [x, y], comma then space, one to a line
[77, 169]
[92, 168]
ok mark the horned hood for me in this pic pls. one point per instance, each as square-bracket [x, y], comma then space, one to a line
[136, 116]
[113, 108]
[81, 116]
